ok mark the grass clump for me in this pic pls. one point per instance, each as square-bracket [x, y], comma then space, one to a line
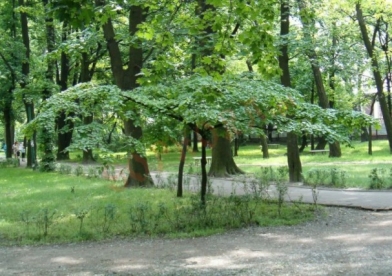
[55, 208]
[333, 177]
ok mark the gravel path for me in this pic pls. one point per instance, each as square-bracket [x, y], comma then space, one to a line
[343, 242]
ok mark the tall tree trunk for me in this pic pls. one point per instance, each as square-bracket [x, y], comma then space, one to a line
[313, 58]
[85, 76]
[64, 127]
[222, 163]
[8, 125]
[334, 148]
[293, 158]
[46, 135]
[126, 79]
[222, 156]
[28, 103]
[376, 73]
[182, 163]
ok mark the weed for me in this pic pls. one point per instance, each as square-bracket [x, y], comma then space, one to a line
[10, 163]
[281, 186]
[315, 193]
[338, 178]
[94, 172]
[377, 179]
[109, 215]
[65, 169]
[44, 220]
[27, 219]
[81, 215]
[79, 171]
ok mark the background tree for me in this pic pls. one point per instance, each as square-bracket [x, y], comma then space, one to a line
[371, 50]
[293, 158]
[307, 19]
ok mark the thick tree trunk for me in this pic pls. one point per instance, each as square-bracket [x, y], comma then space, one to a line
[376, 73]
[264, 146]
[222, 156]
[222, 163]
[293, 158]
[126, 79]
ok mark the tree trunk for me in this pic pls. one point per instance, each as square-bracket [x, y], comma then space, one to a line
[126, 79]
[334, 148]
[28, 103]
[63, 138]
[376, 73]
[182, 163]
[264, 146]
[203, 190]
[364, 134]
[370, 148]
[313, 58]
[222, 156]
[195, 141]
[293, 158]
[236, 145]
[64, 128]
[304, 142]
[46, 135]
[222, 163]
[8, 126]
[85, 76]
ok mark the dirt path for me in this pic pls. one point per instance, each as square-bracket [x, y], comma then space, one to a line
[345, 242]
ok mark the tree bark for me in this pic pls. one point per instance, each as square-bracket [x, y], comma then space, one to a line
[8, 124]
[182, 163]
[126, 79]
[222, 155]
[264, 147]
[46, 135]
[85, 76]
[28, 103]
[222, 163]
[376, 73]
[64, 137]
[293, 158]
[195, 141]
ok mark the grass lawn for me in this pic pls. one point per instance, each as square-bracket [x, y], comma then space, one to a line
[40, 208]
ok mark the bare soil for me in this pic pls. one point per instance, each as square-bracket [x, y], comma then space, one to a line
[342, 242]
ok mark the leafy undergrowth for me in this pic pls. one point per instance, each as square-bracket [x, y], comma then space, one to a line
[42, 208]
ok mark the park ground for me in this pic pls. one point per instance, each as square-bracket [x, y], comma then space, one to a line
[340, 241]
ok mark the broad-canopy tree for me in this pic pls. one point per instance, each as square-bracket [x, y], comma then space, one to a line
[202, 103]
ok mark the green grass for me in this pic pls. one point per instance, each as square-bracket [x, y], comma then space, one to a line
[38, 208]
[355, 161]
